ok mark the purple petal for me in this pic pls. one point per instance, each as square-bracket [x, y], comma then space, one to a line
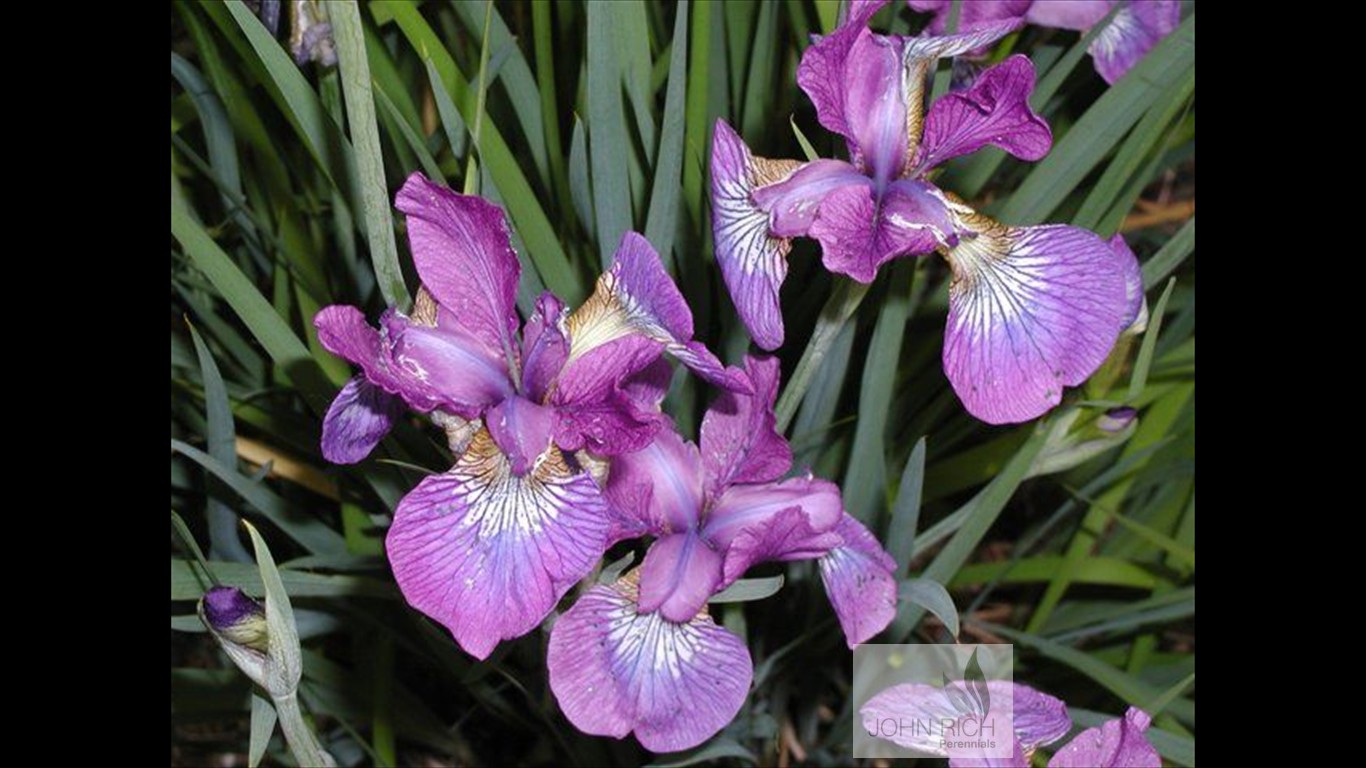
[359, 417]
[1036, 718]
[754, 507]
[785, 536]
[343, 331]
[1133, 32]
[973, 14]
[544, 347]
[1136, 307]
[860, 578]
[679, 574]
[753, 262]
[487, 553]
[445, 366]
[461, 249]
[615, 670]
[648, 387]
[1031, 310]
[792, 203]
[701, 361]
[918, 55]
[1115, 743]
[740, 442]
[660, 485]
[858, 236]
[1068, 14]
[821, 72]
[613, 425]
[875, 107]
[995, 110]
[522, 430]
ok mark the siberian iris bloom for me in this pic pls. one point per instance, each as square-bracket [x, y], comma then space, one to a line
[643, 655]
[488, 547]
[1031, 309]
[1136, 28]
[1037, 718]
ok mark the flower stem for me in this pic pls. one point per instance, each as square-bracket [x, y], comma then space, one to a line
[307, 751]
[846, 297]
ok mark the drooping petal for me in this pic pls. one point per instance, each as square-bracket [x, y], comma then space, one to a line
[1031, 310]
[1136, 28]
[636, 297]
[860, 579]
[918, 55]
[973, 14]
[995, 111]
[615, 670]
[680, 572]
[739, 439]
[875, 106]
[754, 506]
[522, 431]
[660, 486]
[359, 417]
[784, 536]
[487, 553]
[463, 255]
[858, 235]
[753, 261]
[792, 203]
[544, 347]
[1036, 719]
[1119, 742]
[821, 72]
[1136, 307]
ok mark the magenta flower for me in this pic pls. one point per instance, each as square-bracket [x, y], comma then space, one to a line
[488, 547]
[1031, 309]
[1116, 743]
[643, 655]
[1136, 28]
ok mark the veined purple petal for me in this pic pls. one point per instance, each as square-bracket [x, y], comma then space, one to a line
[739, 441]
[461, 249]
[1116, 743]
[359, 417]
[614, 425]
[445, 365]
[753, 262]
[522, 431]
[487, 553]
[858, 236]
[1136, 307]
[995, 110]
[593, 396]
[680, 572]
[1139, 25]
[1068, 14]
[753, 506]
[1036, 718]
[343, 331]
[860, 579]
[615, 670]
[973, 13]
[875, 106]
[782, 537]
[793, 202]
[821, 72]
[1031, 310]
[660, 485]
[544, 347]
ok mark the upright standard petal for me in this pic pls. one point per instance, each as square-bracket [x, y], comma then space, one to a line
[463, 255]
[740, 442]
[859, 234]
[1136, 28]
[659, 486]
[753, 261]
[615, 670]
[875, 106]
[973, 14]
[544, 347]
[994, 110]
[821, 71]
[359, 417]
[1116, 743]
[1031, 310]
[680, 573]
[487, 553]
[860, 579]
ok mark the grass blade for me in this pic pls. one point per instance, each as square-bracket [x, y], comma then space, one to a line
[661, 224]
[222, 439]
[1170, 256]
[607, 140]
[906, 511]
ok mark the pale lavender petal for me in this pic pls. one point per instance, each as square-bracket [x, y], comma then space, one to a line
[1136, 307]
[785, 536]
[875, 106]
[858, 235]
[973, 13]
[1036, 718]
[359, 417]
[1032, 310]
[522, 430]
[1136, 28]
[860, 579]
[909, 703]
[615, 670]
[461, 249]
[1017, 759]
[740, 442]
[659, 485]
[754, 506]
[1068, 14]
[1115, 744]
[753, 262]
[792, 203]
[679, 574]
[448, 367]
[1039, 719]
[995, 111]
[487, 553]
[821, 72]
[544, 347]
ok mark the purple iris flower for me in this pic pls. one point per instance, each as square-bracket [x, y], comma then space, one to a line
[1136, 28]
[643, 655]
[1031, 309]
[1037, 719]
[488, 547]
